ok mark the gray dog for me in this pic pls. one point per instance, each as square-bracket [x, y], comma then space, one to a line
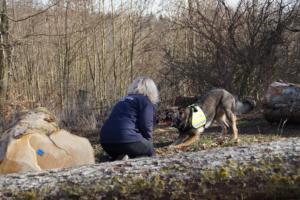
[217, 105]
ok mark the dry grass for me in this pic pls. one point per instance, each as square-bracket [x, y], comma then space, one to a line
[75, 117]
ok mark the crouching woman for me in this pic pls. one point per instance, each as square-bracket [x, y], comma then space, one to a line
[129, 128]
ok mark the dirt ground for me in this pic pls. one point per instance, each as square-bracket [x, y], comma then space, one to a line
[253, 128]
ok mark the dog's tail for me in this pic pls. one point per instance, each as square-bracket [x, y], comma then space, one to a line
[245, 106]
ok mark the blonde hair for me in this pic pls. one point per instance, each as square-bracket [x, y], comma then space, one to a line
[146, 86]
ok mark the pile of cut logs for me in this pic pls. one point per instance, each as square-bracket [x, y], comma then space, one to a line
[282, 103]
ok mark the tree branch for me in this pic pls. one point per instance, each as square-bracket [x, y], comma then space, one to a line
[34, 15]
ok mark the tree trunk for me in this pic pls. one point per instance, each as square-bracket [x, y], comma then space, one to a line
[3, 59]
[258, 171]
[104, 72]
[114, 47]
[282, 103]
[66, 66]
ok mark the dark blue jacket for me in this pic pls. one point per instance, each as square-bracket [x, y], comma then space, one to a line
[131, 119]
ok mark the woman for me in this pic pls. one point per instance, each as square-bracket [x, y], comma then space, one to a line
[129, 128]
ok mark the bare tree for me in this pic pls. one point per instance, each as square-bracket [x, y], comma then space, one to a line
[235, 48]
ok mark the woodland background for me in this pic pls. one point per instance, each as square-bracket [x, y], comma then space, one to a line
[77, 57]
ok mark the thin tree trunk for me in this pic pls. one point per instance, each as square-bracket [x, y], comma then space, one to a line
[114, 45]
[103, 52]
[131, 20]
[66, 68]
[4, 53]
[121, 73]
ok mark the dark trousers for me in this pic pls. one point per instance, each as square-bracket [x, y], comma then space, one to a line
[142, 148]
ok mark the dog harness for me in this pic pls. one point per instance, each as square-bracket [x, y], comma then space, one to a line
[198, 116]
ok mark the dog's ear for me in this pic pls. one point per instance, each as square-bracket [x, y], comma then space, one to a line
[194, 109]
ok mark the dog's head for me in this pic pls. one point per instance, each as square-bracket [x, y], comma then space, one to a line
[250, 102]
[182, 119]
[245, 106]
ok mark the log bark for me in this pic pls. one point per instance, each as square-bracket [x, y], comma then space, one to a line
[282, 103]
[258, 171]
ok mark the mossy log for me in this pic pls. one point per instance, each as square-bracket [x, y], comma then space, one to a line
[282, 103]
[259, 171]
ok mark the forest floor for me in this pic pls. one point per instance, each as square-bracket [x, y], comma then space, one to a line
[253, 128]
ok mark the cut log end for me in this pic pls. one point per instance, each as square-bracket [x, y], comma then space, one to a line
[282, 103]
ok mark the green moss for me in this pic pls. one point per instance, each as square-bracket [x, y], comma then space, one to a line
[28, 195]
[178, 190]
[42, 110]
[224, 173]
[71, 191]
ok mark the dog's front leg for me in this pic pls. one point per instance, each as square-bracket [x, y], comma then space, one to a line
[190, 140]
[179, 140]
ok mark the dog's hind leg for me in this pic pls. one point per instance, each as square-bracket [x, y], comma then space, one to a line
[234, 127]
[232, 119]
[223, 123]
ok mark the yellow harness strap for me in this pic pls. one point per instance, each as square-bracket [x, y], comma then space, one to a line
[198, 116]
